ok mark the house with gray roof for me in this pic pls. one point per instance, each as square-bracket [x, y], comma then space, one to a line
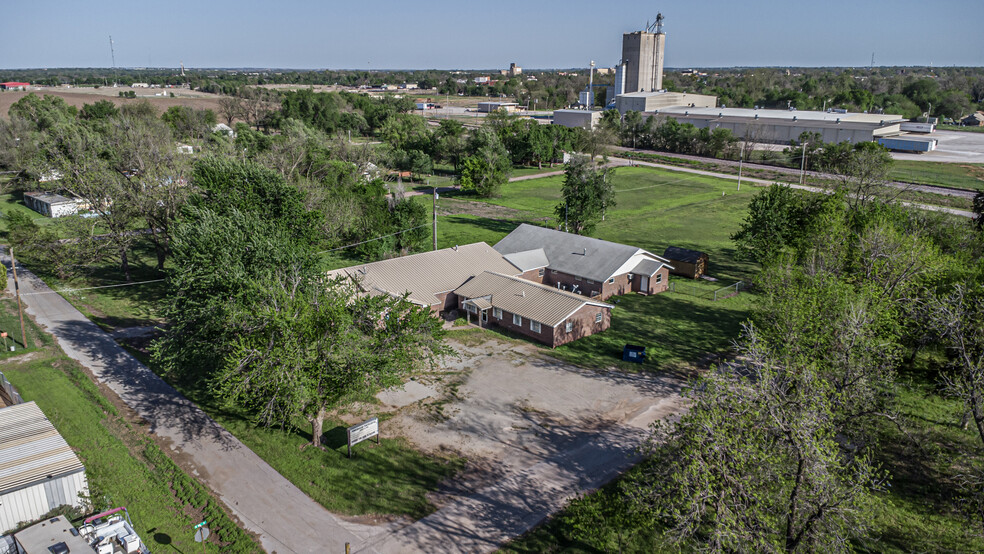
[584, 265]
[541, 312]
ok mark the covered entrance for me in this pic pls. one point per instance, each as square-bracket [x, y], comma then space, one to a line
[480, 308]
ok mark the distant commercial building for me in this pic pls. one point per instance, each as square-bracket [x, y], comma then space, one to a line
[782, 126]
[577, 118]
[38, 470]
[51, 204]
[909, 143]
[653, 101]
[515, 70]
[642, 56]
[13, 85]
[493, 106]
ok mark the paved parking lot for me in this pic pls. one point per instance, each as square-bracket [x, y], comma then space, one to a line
[953, 146]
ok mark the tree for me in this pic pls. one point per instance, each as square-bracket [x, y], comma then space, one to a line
[863, 173]
[588, 192]
[307, 346]
[103, 109]
[756, 464]
[979, 210]
[775, 220]
[450, 141]
[488, 168]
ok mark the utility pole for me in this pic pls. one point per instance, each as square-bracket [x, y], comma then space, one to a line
[741, 158]
[435, 218]
[20, 309]
[803, 164]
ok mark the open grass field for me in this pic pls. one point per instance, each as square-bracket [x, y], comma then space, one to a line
[956, 175]
[10, 203]
[123, 465]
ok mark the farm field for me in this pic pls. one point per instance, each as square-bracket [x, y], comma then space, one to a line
[81, 97]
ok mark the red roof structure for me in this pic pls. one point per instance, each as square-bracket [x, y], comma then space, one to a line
[13, 84]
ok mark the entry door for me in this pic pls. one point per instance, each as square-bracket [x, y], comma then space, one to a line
[485, 316]
[643, 283]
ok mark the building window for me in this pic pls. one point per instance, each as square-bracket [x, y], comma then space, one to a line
[611, 280]
[553, 271]
[471, 308]
[593, 293]
[630, 276]
[659, 277]
[576, 278]
[599, 317]
[534, 326]
[590, 282]
[569, 326]
[497, 313]
[517, 320]
[541, 272]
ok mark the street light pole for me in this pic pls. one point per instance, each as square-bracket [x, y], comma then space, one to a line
[741, 158]
[803, 164]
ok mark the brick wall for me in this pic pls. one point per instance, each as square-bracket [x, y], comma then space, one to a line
[534, 275]
[584, 323]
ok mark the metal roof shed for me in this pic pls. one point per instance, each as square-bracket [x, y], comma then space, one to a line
[38, 470]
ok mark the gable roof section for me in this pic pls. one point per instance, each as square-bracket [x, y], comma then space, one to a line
[586, 257]
[31, 450]
[528, 259]
[527, 299]
[647, 267]
[427, 274]
[682, 254]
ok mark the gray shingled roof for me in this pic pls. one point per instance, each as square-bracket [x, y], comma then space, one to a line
[647, 267]
[586, 257]
[427, 274]
[529, 259]
[527, 299]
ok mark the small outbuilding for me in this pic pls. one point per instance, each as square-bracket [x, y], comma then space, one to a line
[50, 204]
[689, 263]
[975, 119]
[38, 469]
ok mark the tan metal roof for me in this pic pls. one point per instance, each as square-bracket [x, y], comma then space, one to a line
[427, 274]
[31, 450]
[541, 303]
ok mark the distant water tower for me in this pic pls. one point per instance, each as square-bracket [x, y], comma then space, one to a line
[642, 55]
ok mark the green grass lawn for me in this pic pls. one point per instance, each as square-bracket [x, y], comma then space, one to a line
[123, 465]
[676, 329]
[10, 324]
[10, 203]
[960, 128]
[956, 175]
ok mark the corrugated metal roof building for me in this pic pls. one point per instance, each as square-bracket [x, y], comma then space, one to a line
[38, 469]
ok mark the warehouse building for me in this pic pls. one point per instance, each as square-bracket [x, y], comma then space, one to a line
[655, 101]
[783, 126]
[38, 470]
[50, 204]
[577, 118]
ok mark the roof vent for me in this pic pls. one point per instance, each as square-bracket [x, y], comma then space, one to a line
[455, 248]
[838, 120]
[794, 118]
[584, 251]
[756, 116]
[523, 293]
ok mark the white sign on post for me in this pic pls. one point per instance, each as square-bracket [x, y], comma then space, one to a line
[361, 432]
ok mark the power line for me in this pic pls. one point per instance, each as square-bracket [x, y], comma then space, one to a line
[91, 288]
[374, 239]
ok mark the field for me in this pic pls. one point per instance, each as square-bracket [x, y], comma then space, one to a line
[124, 466]
[80, 97]
[956, 175]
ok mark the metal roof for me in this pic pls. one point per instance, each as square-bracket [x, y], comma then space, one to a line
[786, 116]
[647, 267]
[529, 259]
[527, 299]
[40, 537]
[586, 257]
[31, 450]
[49, 197]
[427, 274]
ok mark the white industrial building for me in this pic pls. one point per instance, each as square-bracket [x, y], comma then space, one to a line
[494, 106]
[782, 126]
[38, 470]
[50, 204]
[584, 119]
[653, 101]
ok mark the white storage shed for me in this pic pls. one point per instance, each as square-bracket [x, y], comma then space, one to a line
[38, 470]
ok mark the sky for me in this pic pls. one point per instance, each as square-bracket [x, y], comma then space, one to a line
[439, 34]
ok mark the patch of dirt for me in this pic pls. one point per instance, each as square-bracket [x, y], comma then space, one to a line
[975, 171]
